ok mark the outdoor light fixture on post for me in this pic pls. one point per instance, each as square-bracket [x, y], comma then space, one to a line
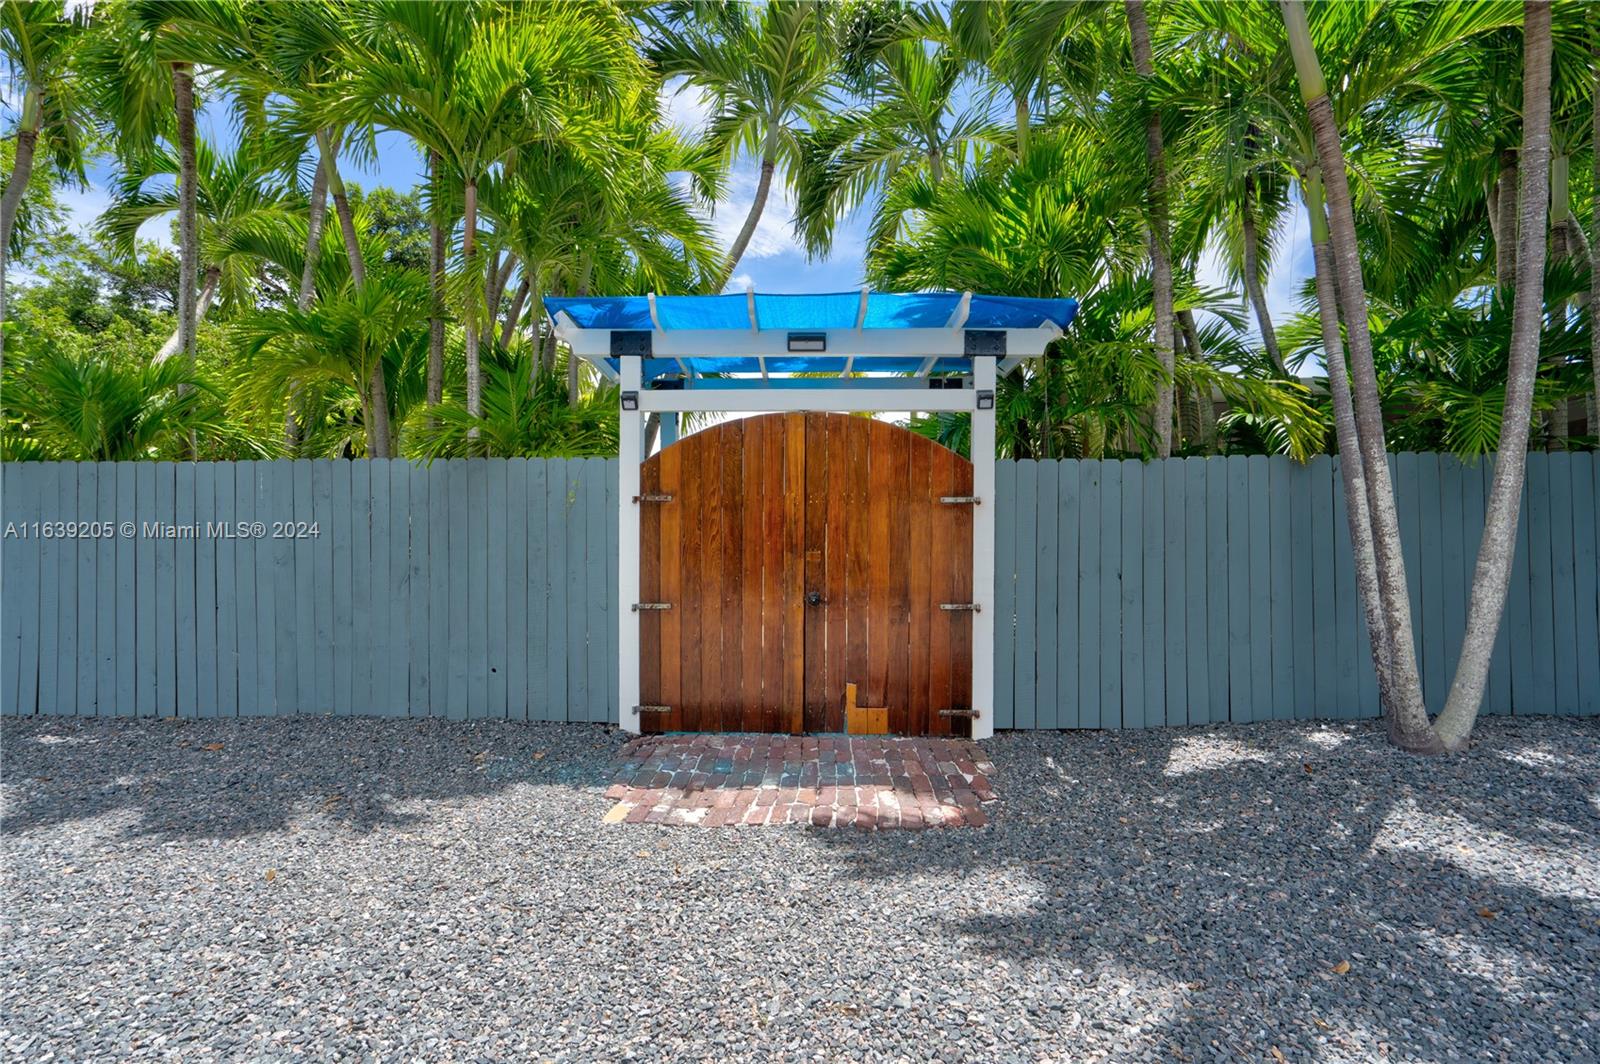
[808, 341]
[630, 400]
[985, 399]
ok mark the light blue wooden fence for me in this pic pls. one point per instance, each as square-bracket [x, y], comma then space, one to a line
[1199, 590]
[459, 589]
[1129, 594]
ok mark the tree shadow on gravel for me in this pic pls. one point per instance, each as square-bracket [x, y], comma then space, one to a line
[1229, 873]
[227, 779]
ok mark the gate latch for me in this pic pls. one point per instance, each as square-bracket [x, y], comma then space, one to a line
[637, 606]
[652, 498]
[961, 607]
[959, 713]
[652, 709]
[961, 500]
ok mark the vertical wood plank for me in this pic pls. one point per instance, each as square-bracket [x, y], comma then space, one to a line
[1518, 619]
[1432, 626]
[1174, 555]
[439, 510]
[363, 697]
[670, 557]
[229, 598]
[21, 616]
[576, 535]
[1219, 579]
[1456, 568]
[1408, 505]
[1260, 579]
[1132, 562]
[1586, 581]
[86, 553]
[459, 548]
[557, 546]
[516, 578]
[127, 639]
[1005, 594]
[286, 670]
[248, 662]
[105, 608]
[381, 533]
[1349, 630]
[794, 591]
[205, 588]
[1541, 587]
[540, 706]
[1026, 519]
[595, 589]
[166, 586]
[1497, 695]
[943, 692]
[710, 521]
[342, 518]
[420, 591]
[398, 604]
[1091, 501]
[1241, 696]
[613, 634]
[1280, 560]
[1563, 590]
[837, 563]
[1197, 622]
[1069, 508]
[1152, 532]
[322, 585]
[753, 557]
[305, 588]
[183, 597]
[50, 488]
[1110, 619]
[1047, 552]
[497, 511]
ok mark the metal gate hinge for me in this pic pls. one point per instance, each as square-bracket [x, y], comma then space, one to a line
[961, 607]
[637, 606]
[652, 498]
[959, 713]
[961, 500]
[652, 709]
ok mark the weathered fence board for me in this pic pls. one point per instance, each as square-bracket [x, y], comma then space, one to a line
[1127, 594]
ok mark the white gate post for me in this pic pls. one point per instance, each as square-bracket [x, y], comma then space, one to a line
[983, 518]
[630, 454]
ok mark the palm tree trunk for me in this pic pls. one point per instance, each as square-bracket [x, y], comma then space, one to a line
[1351, 470]
[514, 315]
[1160, 264]
[1252, 279]
[748, 230]
[318, 213]
[436, 257]
[1023, 123]
[208, 294]
[188, 234]
[22, 165]
[378, 433]
[1492, 574]
[1399, 685]
[469, 252]
[1505, 249]
[1594, 265]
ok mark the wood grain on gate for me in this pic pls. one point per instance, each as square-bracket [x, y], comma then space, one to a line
[768, 510]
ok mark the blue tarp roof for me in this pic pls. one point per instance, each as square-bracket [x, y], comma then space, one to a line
[820, 311]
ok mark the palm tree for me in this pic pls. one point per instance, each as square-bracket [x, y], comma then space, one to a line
[767, 69]
[1491, 576]
[233, 193]
[40, 42]
[475, 85]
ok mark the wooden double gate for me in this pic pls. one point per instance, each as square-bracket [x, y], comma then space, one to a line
[788, 555]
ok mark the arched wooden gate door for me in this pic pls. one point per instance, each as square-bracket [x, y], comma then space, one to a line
[789, 555]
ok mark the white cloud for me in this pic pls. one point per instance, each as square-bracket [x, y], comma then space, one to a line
[739, 282]
[685, 107]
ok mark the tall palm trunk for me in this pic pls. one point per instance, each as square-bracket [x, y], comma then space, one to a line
[1400, 685]
[1351, 470]
[1594, 264]
[1492, 574]
[22, 164]
[514, 315]
[1252, 278]
[208, 295]
[469, 252]
[1505, 248]
[188, 178]
[436, 257]
[318, 213]
[377, 406]
[1160, 263]
[1024, 122]
[748, 230]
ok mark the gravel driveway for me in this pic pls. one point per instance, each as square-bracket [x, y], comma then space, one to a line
[339, 889]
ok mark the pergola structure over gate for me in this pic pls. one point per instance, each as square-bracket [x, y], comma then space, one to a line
[841, 353]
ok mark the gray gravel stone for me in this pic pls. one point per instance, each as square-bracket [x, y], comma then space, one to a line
[356, 889]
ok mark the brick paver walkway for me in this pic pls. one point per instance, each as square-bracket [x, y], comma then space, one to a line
[837, 781]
